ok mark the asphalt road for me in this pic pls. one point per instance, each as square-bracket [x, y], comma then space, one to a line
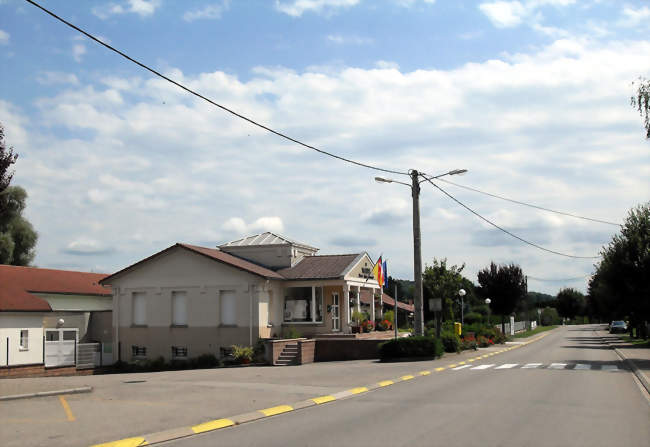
[567, 389]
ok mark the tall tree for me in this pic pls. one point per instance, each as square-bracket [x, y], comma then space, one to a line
[7, 158]
[641, 101]
[444, 282]
[505, 285]
[17, 236]
[620, 286]
[570, 303]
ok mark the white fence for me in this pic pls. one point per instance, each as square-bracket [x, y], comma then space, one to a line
[93, 355]
[516, 326]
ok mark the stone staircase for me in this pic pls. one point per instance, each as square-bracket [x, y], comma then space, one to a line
[288, 356]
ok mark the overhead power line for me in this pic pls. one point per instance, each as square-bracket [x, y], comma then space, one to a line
[506, 231]
[198, 95]
[530, 204]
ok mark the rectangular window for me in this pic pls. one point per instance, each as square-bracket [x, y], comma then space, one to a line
[24, 339]
[179, 309]
[228, 308]
[179, 352]
[139, 309]
[303, 304]
[138, 351]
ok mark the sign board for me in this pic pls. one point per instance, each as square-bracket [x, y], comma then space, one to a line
[435, 304]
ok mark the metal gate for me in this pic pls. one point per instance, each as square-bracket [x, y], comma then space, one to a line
[60, 347]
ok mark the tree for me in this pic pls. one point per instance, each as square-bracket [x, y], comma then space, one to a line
[620, 286]
[641, 101]
[17, 236]
[505, 285]
[570, 303]
[440, 281]
[7, 158]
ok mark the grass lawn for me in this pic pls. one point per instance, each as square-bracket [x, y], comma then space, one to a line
[637, 342]
[537, 330]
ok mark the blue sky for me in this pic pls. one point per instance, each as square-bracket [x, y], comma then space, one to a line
[531, 96]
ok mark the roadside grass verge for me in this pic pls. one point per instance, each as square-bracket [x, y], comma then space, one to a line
[537, 330]
[637, 342]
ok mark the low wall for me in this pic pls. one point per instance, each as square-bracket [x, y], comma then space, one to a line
[327, 350]
[306, 351]
[41, 371]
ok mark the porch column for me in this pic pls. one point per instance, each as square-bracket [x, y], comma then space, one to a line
[346, 303]
[372, 305]
[358, 298]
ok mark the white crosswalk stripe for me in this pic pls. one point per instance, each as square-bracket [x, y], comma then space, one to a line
[609, 368]
[531, 365]
[507, 366]
[483, 366]
[557, 366]
[461, 367]
[582, 366]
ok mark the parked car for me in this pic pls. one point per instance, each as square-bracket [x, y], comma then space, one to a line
[617, 326]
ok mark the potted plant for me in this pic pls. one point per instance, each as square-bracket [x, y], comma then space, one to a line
[357, 319]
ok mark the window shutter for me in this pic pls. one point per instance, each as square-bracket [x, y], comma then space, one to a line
[139, 308]
[228, 308]
[179, 308]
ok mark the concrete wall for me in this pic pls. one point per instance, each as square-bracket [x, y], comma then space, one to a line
[10, 327]
[203, 280]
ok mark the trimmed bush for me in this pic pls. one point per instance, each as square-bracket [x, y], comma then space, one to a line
[411, 347]
[207, 361]
[450, 341]
[473, 317]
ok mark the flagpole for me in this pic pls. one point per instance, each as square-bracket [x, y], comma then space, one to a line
[395, 314]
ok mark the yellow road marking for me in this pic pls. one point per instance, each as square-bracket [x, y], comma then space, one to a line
[276, 410]
[128, 442]
[452, 366]
[408, 377]
[358, 390]
[440, 369]
[66, 408]
[212, 425]
[461, 363]
[424, 373]
[385, 383]
[323, 399]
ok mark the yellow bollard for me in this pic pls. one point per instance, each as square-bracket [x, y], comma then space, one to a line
[458, 329]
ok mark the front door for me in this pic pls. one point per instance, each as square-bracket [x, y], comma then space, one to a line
[336, 317]
[60, 346]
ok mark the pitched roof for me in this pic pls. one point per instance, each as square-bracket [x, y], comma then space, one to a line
[267, 238]
[386, 299]
[211, 253]
[320, 267]
[16, 283]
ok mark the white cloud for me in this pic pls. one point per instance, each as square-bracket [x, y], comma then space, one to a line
[4, 37]
[143, 8]
[78, 51]
[85, 246]
[551, 127]
[211, 11]
[508, 14]
[238, 226]
[56, 77]
[297, 8]
[348, 40]
[632, 17]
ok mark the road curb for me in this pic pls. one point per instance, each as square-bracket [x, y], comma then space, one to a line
[233, 421]
[83, 389]
[635, 369]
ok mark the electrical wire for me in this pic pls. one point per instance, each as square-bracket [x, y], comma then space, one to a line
[506, 231]
[530, 205]
[198, 95]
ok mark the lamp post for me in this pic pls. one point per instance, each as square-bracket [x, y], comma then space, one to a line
[488, 301]
[462, 293]
[417, 242]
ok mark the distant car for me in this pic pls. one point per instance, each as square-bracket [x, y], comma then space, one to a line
[617, 326]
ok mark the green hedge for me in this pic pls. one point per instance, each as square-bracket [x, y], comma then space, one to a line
[411, 347]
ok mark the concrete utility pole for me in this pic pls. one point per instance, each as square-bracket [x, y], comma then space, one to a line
[417, 254]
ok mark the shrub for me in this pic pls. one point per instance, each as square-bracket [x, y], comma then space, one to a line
[473, 317]
[367, 325]
[292, 332]
[358, 317]
[411, 347]
[390, 316]
[242, 354]
[450, 341]
[207, 361]
[383, 325]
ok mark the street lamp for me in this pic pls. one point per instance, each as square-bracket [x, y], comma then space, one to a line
[488, 301]
[417, 242]
[462, 293]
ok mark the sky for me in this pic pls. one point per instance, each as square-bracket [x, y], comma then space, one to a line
[532, 97]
